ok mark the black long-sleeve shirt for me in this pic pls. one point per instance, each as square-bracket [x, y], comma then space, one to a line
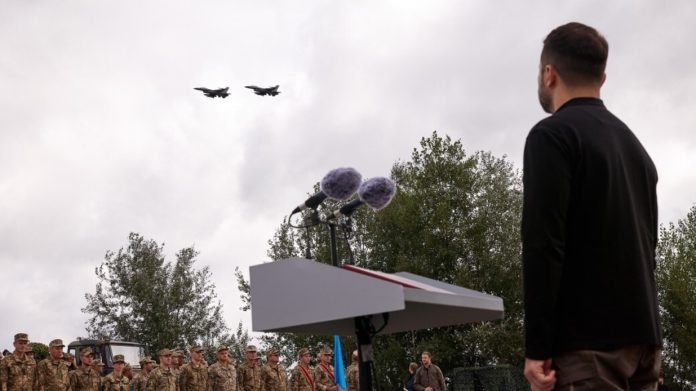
[589, 232]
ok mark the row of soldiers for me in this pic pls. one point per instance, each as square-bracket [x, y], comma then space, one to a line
[19, 372]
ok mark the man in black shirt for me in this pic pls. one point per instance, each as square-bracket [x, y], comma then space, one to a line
[589, 231]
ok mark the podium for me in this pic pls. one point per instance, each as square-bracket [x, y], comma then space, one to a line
[302, 296]
[307, 297]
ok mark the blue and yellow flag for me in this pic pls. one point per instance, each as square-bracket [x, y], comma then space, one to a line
[339, 370]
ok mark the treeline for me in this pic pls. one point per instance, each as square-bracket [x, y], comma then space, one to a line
[455, 218]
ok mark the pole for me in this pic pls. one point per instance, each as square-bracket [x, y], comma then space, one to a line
[334, 251]
[365, 354]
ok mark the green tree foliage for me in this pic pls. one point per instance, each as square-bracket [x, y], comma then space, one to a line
[455, 218]
[236, 342]
[40, 350]
[676, 278]
[142, 298]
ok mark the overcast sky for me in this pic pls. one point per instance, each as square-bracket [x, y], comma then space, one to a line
[102, 134]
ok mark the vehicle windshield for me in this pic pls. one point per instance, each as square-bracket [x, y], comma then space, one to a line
[131, 354]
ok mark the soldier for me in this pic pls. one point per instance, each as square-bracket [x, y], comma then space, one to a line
[69, 361]
[194, 375]
[85, 378]
[139, 382]
[98, 368]
[177, 359]
[53, 371]
[273, 375]
[324, 378]
[249, 372]
[116, 380]
[353, 374]
[222, 375]
[128, 372]
[18, 371]
[29, 352]
[163, 378]
[302, 378]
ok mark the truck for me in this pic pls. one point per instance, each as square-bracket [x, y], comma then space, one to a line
[106, 349]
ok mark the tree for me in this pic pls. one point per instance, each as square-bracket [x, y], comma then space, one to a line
[676, 280]
[40, 350]
[455, 218]
[236, 343]
[142, 298]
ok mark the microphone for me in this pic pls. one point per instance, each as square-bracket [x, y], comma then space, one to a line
[347, 209]
[339, 184]
[375, 192]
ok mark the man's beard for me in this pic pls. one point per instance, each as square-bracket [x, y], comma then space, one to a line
[545, 99]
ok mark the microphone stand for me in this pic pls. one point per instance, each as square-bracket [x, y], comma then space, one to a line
[364, 328]
[315, 221]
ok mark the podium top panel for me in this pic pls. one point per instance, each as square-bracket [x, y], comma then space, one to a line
[307, 297]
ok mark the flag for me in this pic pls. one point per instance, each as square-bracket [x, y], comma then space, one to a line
[339, 370]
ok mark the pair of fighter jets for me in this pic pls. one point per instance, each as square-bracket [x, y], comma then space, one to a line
[222, 92]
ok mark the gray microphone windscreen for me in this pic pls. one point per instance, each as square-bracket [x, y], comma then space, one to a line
[377, 192]
[341, 183]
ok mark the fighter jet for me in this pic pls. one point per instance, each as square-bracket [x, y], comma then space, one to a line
[272, 91]
[220, 92]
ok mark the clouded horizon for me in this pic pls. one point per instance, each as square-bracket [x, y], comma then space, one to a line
[102, 133]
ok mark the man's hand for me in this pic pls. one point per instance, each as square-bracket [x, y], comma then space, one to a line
[539, 374]
[428, 389]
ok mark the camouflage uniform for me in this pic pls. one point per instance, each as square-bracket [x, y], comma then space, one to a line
[222, 377]
[85, 379]
[113, 383]
[139, 382]
[53, 375]
[162, 379]
[249, 377]
[194, 377]
[353, 377]
[274, 378]
[18, 373]
[324, 373]
[323, 376]
[302, 379]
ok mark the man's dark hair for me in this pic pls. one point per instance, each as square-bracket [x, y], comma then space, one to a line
[578, 52]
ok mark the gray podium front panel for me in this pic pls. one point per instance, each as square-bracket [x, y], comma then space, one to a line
[300, 292]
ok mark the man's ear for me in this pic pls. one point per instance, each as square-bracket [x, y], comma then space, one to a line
[549, 76]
